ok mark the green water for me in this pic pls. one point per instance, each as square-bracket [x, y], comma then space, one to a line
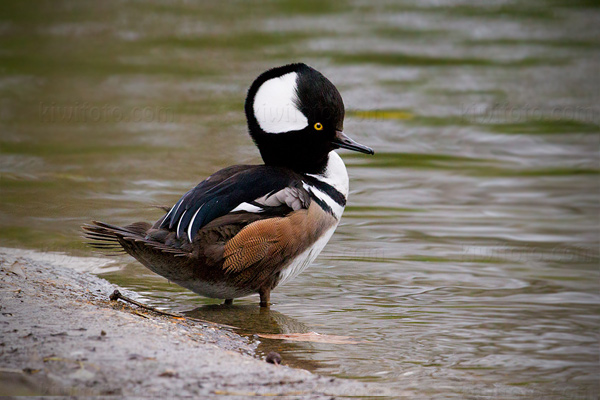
[468, 256]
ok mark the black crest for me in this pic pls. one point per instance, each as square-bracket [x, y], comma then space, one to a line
[320, 102]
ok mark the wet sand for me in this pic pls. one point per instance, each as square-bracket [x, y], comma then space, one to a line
[61, 335]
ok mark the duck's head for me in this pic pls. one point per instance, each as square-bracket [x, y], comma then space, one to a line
[296, 117]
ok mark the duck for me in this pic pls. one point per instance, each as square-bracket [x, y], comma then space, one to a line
[248, 228]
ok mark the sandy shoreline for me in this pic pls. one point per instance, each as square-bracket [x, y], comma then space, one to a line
[62, 336]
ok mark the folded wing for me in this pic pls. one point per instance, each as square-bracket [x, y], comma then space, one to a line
[241, 188]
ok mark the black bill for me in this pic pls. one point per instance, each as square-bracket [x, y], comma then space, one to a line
[344, 142]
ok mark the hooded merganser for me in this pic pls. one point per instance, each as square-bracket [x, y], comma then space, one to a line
[248, 228]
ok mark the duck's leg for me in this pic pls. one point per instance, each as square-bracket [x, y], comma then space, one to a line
[265, 297]
[228, 302]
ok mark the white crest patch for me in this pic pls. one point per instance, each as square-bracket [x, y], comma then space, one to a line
[275, 105]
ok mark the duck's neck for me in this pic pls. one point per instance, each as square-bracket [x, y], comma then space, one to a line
[294, 152]
[330, 188]
[334, 173]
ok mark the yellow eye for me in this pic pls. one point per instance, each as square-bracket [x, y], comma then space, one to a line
[319, 126]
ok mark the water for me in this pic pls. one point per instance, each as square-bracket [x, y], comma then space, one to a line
[467, 259]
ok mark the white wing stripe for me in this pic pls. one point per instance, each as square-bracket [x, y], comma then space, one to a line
[179, 223]
[176, 207]
[169, 213]
[192, 223]
[248, 208]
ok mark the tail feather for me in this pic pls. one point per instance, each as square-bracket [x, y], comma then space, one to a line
[130, 239]
[99, 237]
[105, 245]
[103, 238]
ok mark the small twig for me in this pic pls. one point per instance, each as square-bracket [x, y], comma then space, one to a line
[116, 295]
[140, 314]
[70, 360]
[11, 370]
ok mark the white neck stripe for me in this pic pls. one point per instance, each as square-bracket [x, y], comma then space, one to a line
[335, 174]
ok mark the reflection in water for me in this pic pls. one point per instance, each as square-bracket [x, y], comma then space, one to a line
[467, 258]
[252, 320]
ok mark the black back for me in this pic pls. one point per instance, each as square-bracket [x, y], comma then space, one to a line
[224, 191]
